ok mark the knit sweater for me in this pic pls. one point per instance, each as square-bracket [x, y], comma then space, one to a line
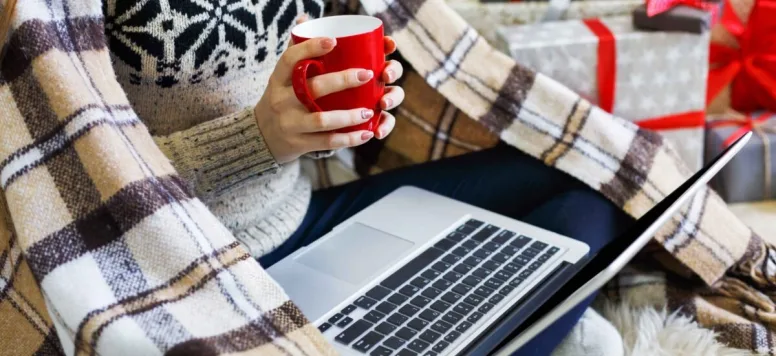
[193, 71]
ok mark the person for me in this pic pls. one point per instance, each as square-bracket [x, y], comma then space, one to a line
[211, 81]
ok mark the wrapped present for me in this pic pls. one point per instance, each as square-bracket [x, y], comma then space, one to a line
[742, 75]
[749, 176]
[679, 19]
[645, 77]
[485, 17]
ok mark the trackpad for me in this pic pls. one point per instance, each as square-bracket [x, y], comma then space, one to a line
[355, 253]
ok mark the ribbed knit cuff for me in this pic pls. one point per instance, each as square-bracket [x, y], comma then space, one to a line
[220, 154]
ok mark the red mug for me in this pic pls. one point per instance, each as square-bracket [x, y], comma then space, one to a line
[359, 45]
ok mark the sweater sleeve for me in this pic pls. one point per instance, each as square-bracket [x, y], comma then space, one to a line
[219, 154]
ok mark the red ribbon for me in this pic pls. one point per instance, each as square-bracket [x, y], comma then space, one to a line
[744, 124]
[676, 121]
[751, 68]
[607, 59]
[655, 7]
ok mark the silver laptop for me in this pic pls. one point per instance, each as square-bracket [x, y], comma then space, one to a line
[417, 273]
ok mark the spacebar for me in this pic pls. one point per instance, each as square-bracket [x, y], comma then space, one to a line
[412, 268]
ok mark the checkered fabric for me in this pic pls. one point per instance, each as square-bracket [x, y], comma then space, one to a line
[102, 249]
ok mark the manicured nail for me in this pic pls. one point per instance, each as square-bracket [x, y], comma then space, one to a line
[388, 102]
[328, 43]
[367, 114]
[390, 74]
[364, 75]
[366, 136]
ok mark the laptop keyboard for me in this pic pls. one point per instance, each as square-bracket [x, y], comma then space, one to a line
[423, 307]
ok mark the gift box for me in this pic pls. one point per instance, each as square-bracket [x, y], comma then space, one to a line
[485, 17]
[750, 175]
[656, 78]
[679, 19]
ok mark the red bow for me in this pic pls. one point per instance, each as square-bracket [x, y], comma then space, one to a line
[751, 68]
[655, 7]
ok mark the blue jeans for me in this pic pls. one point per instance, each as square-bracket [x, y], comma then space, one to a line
[503, 180]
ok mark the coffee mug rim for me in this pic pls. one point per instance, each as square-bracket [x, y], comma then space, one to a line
[378, 24]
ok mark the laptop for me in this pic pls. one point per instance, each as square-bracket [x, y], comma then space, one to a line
[417, 273]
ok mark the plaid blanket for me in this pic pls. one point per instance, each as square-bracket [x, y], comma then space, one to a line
[104, 251]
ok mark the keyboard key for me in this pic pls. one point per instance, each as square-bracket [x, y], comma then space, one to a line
[430, 274]
[397, 319]
[441, 326]
[491, 246]
[417, 324]
[463, 308]
[418, 345]
[509, 250]
[368, 341]
[452, 317]
[397, 299]
[461, 289]
[430, 336]
[394, 342]
[460, 251]
[378, 293]
[451, 336]
[442, 284]
[385, 307]
[481, 273]
[483, 292]
[323, 327]
[493, 283]
[456, 236]
[420, 282]
[365, 302]
[485, 308]
[511, 267]
[409, 290]
[491, 265]
[348, 309]
[473, 299]
[520, 241]
[500, 257]
[538, 245]
[474, 223]
[474, 317]
[451, 259]
[505, 290]
[470, 244]
[344, 322]
[374, 316]
[409, 310]
[335, 318]
[504, 275]
[385, 328]
[354, 331]
[471, 281]
[462, 327]
[381, 351]
[462, 268]
[530, 252]
[496, 298]
[429, 314]
[472, 261]
[553, 250]
[466, 229]
[440, 346]
[503, 236]
[440, 306]
[521, 260]
[525, 273]
[516, 282]
[483, 253]
[451, 297]
[420, 301]
[441, 266]
[544, 258]
[485, 233]
[534, 266]
[406, 333]
[431, 292]
[445, 244]
[452, 276]
[430, 353]
[406, 352]
[412, 268]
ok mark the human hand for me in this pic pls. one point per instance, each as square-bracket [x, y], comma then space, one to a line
[290, 130]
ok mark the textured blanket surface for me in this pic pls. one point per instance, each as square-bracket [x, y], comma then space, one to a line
[102, 242]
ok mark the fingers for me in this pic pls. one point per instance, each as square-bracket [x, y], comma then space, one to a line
[334, 141]
[387, 122]
[392, 98]
[312, 48]
[330, 120]
[393, 71]
[389, 46]
[326, 84]
[302, 19]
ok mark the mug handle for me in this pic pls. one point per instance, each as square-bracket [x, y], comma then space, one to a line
[299, 82]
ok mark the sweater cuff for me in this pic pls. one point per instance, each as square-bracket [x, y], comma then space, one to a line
[220, 154]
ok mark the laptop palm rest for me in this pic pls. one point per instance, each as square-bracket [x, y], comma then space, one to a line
[355, 253]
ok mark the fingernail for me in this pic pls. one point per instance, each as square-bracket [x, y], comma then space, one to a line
[364, 75]
[390, 74]
[328, 43]
[380, 133]
[366, 135]
[367, 114]
[388, 102]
